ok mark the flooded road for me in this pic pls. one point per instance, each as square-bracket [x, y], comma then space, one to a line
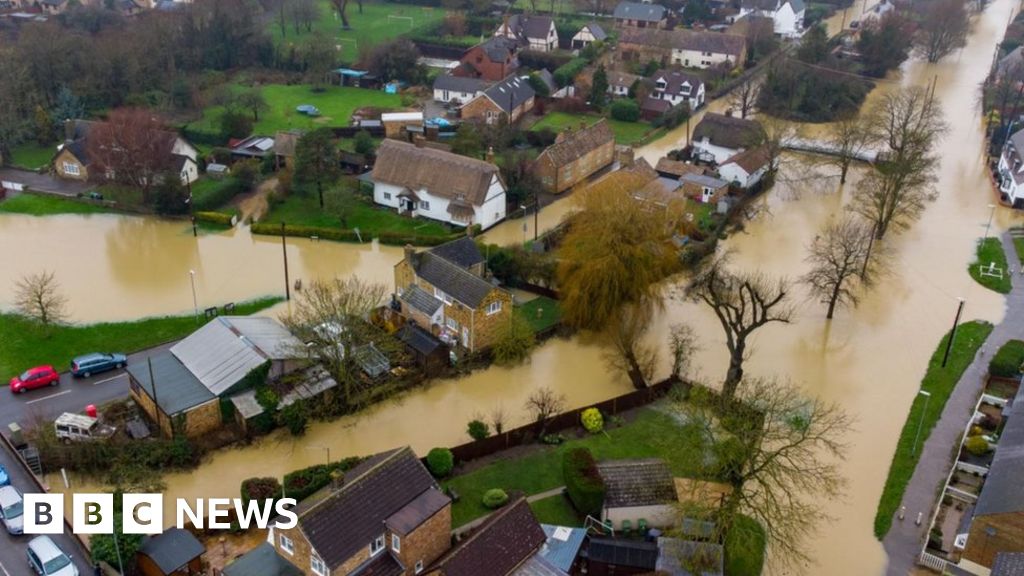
[869, 359]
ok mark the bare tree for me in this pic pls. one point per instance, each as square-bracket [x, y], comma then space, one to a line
[544, 403]
[629, 352]
[744, 97]
[849, 138]
[907, 124]
[37, 296]
[498, 419]
[304, 13]
[944, 27]
[838, 256]
[682, 340]
[742, 302]
[778, 451]
[340, 6]
[132, 147]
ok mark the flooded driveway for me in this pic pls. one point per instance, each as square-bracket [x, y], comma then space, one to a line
[870, 359]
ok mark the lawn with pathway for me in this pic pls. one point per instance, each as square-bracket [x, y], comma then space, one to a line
[336, 105]
[26, 344]
[541, 313]
[940, 383]
[989, 252]
[625, 132]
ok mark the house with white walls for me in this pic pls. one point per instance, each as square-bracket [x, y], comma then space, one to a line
[788, 15]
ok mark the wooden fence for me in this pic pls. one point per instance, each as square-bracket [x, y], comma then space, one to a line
[560, 422]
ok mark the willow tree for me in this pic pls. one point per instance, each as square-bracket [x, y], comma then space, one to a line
[616, 252]
[907, 124]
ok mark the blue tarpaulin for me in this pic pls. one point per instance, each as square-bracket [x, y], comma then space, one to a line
[352, 73]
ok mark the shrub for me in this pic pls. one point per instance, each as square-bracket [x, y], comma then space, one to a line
[235, 124]
[267, 398]
[218, 218]
[515, 340]
[478, 429]
[592, 420]
[583, 482]
[626, 110]
[977, 445]
[294, 417]
[495, 498]
[218, 195]
[440, 462]
[301, 483]
[260, 489]
[1007, 361]
[566, 73]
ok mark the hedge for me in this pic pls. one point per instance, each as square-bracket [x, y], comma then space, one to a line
[440, 462]
[218, 195]
[259, 489]
[300, 484]
[218, 218]
[541, 60]
[583, 482]
[343, 235]
[1007, 361]
[204, 138]
[626, 110]
[565, 74]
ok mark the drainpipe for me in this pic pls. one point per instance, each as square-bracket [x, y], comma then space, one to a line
[472, 330]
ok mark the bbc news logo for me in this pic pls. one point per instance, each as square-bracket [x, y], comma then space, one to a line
[144, 513]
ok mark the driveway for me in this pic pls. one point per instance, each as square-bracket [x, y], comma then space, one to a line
[41, 182]
[72, 395]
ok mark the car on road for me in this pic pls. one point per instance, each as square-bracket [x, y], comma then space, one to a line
[12, 508]
[33, 378]
[47, 559]
[88, 364]
[5, 478]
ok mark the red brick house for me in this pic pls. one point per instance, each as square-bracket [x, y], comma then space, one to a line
[385, 516]
[492, 60]
[510, 98]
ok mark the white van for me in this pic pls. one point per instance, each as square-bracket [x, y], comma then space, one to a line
[76, 427]
[12, 509]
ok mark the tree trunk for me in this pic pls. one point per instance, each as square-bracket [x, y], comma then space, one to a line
[344, 18]
[360, 3]
[636, 375]
[735, 373]
[844, 167]
[320, 192]
[832, 300]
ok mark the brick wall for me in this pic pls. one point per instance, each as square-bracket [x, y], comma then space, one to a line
[66, 156]
[575, 172]
[303, 552]
[487, 68]
[427, 542]
[149, 407]
[203, 418]
[478, 108]
[1008, 537]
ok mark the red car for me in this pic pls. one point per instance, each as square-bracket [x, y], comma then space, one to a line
[35, 378]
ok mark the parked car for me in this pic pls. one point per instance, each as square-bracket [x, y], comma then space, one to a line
[5, 478]
[75, 427]
[88, 364]
[12, 508]
[33, 378]
[47, 559]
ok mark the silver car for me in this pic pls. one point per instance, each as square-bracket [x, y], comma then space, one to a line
[48, 560]
[11, 509]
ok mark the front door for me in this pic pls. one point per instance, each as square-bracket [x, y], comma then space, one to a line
[465, 337]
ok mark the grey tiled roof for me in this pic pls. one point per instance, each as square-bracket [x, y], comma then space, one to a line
[639, 11]
[261, 561]
[1008, 564]
[704, 180]
[456, 282]
[502, 543]
[536, 565]
[463, 252]
[675, 81]
[510, 93]
[172, 550]
[727, 131]
[459, 83]
[419, 299]
[177, 388]
[638, 482]
[596, 31]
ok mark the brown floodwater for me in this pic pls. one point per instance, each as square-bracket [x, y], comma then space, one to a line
[870, 359]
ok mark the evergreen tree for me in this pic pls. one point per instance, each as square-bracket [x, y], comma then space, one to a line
[599, 87]
[67, 107]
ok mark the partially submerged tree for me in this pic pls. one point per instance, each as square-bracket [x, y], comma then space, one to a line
[316, 160]
[838, 256]
[515, 340]
[884, 43]
[849, 138]
[744, 97]
[38, 296]
[742, 302]
[778, 451]
[682, 341]
[629, 353]
[907, 123]
[943, 29]
[544, 403]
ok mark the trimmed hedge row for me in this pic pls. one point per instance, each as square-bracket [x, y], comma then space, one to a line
[343, 235]
[218, 218]
[1007, 361]
[583, 482]
[565, 73]
[300, 484]
[217, 196]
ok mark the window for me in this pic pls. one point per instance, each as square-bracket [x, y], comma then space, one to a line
[419, 566]
[71, 169]
[387, 195]
[396, 543]
[440, 295]
[424, 205]
[494, 307]
[377, 545]
[286, 544]
[452, 323]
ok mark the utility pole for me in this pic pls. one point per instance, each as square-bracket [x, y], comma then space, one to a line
[536, 212]
[156, 402]
[195, 301]
[952, 334]
[284, 251]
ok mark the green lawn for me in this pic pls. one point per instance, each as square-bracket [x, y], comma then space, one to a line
[625, 132]
[556, 510]
[1018, 247]
[990, 251]
[336, 105]
[304, 210]
[939, 382]
[651, 434]
[45, 205]
[27, 345]
[32, 156]
[368, 29]
[745, 558]
[550, 313]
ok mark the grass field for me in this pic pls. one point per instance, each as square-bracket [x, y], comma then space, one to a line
[625, 132]
[991, 251]
[550, 313]
[556, 510]
[304, 210]
[939, 382]
[32, 156]
[27, 345]
[378, 23]
[44, 205]
[336, 105]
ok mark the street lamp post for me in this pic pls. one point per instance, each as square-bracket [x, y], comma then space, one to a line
[991, 213]
[195, 301]
[321, 447]
[920, 423]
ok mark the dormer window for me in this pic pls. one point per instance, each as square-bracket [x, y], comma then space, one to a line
[377, 546]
